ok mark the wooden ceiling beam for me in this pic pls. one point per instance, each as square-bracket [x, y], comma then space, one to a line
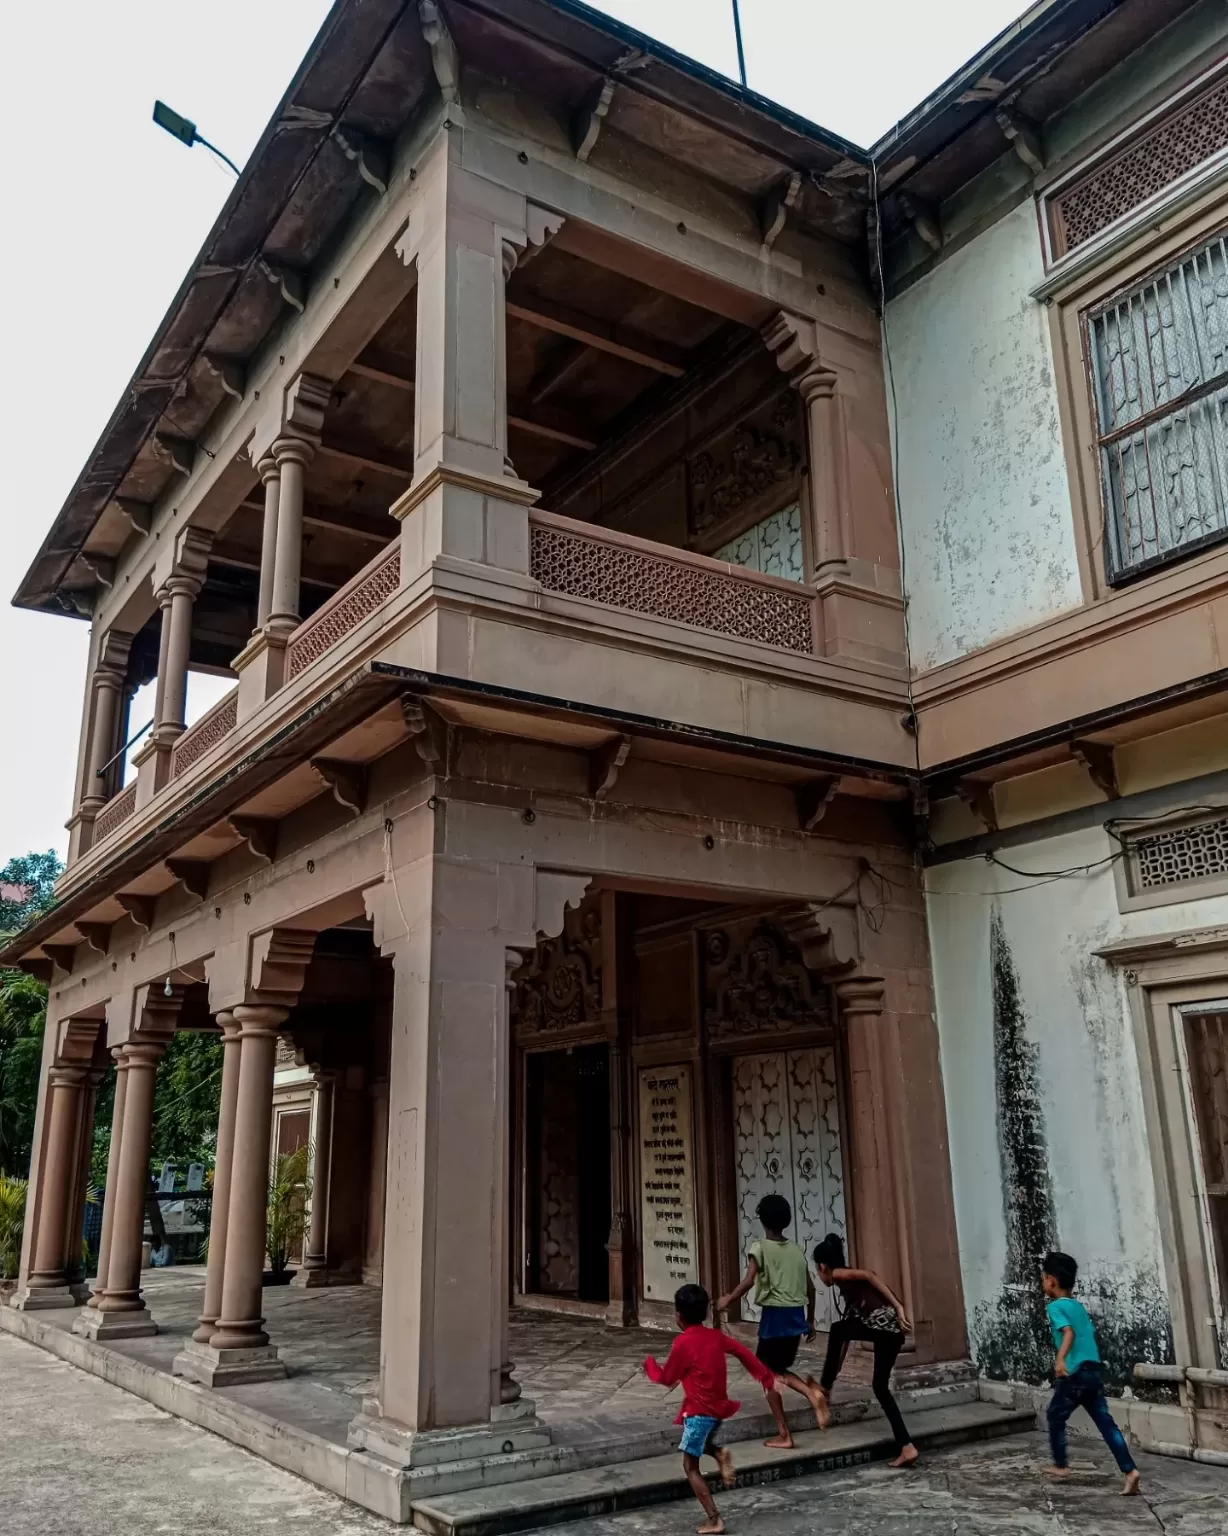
[593, 333]
[381, 376]
[364, 461]
[553, 434]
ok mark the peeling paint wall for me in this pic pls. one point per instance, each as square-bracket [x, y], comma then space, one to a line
[1044, 1101]
[985, 510]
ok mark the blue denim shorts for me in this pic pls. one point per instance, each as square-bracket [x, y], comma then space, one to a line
[699, 1435]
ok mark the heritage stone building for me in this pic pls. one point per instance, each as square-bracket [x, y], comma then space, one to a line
[534, 442]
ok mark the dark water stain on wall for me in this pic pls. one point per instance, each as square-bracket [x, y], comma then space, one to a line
[1128, 1303]
[1012, 1333]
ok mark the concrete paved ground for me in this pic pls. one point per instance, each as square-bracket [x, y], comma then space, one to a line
[79, 1457]
[991, 1489]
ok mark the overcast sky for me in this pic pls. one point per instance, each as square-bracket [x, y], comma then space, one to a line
[103, 214]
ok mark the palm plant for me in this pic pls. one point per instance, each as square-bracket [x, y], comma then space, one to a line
[12, 1219]
[289, 1192]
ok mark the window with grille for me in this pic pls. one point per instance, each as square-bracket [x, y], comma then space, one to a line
[1178, 855]
[773, 546]
[1159, 358]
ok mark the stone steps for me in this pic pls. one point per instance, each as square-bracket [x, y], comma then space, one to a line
[523, 1506]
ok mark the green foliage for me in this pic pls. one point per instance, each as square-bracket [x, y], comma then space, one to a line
[23, 1012]
[12, 1219]
[186, 1101]
[35, 874]
[289, 1192]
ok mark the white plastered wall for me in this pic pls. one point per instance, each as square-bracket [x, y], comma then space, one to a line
[985, 510]
[1075, 1012]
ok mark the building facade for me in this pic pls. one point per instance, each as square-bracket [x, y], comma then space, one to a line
[545, 441]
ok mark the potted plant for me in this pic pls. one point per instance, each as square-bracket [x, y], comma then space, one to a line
[289, 1192]
[12, 1219]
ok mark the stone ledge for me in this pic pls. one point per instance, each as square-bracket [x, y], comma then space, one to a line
[638, 1484]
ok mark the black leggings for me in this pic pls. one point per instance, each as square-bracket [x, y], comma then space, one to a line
[886, 1347]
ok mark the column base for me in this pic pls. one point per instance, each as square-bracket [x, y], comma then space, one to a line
[101, 1326]
[228, 1367]
[43, 1298]
[512, 1427]
[309, 1279]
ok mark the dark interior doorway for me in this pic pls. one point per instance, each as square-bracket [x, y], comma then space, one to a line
[567, 1116]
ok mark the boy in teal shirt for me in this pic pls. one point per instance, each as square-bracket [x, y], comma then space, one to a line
[1079, 1372]
[784, 1292]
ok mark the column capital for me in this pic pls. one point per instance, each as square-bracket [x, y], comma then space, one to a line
[291, 449]
[268, 468]
[67, 1076]
[861, 996]
[111, 668]
[794, 341]
[259, 1018]
[144, 1053]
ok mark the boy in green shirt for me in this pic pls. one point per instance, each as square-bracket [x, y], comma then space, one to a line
[1080, 1375]
[778, 1271]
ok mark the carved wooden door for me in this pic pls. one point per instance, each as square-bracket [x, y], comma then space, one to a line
[787, 1141]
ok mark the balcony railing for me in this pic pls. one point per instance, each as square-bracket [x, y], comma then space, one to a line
[625, 572]
[115, 812]
[206, 733]
[345, 609]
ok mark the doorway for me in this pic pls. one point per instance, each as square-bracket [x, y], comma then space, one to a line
[1206, 1060]
[567, 1122]
[786, 1120]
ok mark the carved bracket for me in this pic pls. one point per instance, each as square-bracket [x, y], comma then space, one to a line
[348, 782]
[139, 908]
[192, 874]
[1097, 757]
[96, 935]
[586, 128]
[278, 965]
[429, 731]
[259, 833]
[604, 763]
[775, 211]
[813, 798]
[61, 955]
[445, 60]
[977, 794]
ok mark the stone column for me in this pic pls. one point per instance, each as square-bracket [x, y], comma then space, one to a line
[270, 474]
[794, 342]
[219, 1210]
[442, 1343]
[173, 687]
[74, 1253]
[239, 1348]
[47, 1285]
[108, 688]
[877, 1195]
[163, 596]
[373, 1258]
[291, 456]
[119, 1309]
[315, 1262]
[112, 1184]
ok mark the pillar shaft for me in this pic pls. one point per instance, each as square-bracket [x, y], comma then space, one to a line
[240, 1323]
[164, 642]
[112, 1185]
[59, 1175]
[123, 1287]
[373, 1259]
[292, 455]
[316, 1258]
[828, 541]
[219, 1213]
[174, 688]
[271, 475]
[107, 687]
[74, 1232]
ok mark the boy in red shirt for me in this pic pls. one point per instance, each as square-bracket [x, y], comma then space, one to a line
[697, 1359]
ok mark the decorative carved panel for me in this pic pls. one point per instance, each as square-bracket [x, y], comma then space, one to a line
[559, 986]
[756, 985]
[734, 481]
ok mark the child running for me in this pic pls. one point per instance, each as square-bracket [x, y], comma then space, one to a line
[869, 1311]
[697, 1360]
[1079, 1372]
[777, 1270]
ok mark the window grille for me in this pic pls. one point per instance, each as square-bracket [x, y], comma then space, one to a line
[773, 546]
[1178, 855]
[1159, 356]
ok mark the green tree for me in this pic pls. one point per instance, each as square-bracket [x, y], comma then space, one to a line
[27, 888]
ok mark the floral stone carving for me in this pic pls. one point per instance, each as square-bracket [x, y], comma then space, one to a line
[758, 985]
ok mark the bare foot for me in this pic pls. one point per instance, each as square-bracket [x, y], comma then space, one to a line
[712, 1527]
[1133, 1479]
[725, 1462]
[1057, 1472]
[907, 1457]
[780, 1443]
[819, 1401]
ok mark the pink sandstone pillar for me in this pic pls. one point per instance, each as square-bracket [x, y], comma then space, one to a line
[315, 1261]
[239, 1348]
[48, 1281]
[112, 1184]
[220, 1208]
[120, 1311]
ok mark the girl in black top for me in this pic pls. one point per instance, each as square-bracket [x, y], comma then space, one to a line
[871, 1311]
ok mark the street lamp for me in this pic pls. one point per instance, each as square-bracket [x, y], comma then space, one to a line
[185, 131]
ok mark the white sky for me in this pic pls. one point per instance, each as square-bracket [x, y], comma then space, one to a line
[112, 211]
